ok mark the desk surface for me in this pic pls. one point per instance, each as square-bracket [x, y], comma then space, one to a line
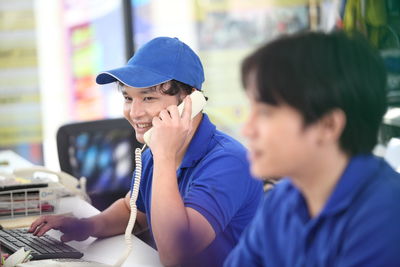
[106, 250]
[9, 161]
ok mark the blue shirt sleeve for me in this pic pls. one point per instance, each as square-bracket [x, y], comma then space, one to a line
[139, 200]
[145, 183]
[250, 246]
[222, 182]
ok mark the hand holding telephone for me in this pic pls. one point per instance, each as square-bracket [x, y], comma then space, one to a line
[198, 103]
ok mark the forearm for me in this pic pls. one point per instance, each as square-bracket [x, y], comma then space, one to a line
[111, 221]
[169, 218]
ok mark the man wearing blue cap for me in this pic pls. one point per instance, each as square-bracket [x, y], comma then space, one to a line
[196, 194]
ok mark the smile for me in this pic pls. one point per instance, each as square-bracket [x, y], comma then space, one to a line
[143, 125]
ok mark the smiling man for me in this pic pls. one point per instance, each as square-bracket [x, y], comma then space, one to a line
[196, 194]
[317, 101]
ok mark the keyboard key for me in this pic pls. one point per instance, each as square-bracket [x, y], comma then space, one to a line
[45, 247]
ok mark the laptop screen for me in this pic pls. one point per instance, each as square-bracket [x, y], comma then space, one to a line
[106, 159]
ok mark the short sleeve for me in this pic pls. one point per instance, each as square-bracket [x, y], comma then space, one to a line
[221, 184]
[247, 251]
[142, 201]
[139, 200]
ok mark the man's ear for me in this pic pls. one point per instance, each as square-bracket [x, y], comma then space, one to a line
[332, 125]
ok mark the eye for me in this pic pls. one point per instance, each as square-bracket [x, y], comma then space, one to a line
[264, 110]
[127, 98]
[148, 98]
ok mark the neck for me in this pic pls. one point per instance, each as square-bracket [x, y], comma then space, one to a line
[318, 182]
[195, 124]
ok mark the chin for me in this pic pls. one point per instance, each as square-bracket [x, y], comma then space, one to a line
[260, 171]
[139, 138]
[257, 171]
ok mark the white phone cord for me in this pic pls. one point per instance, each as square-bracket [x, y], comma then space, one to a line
[132, 203]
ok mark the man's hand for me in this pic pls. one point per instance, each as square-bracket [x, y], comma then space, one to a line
[71, 227]
[171, 130]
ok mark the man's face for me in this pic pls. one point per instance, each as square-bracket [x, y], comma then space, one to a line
[142, 104]
[279, 143]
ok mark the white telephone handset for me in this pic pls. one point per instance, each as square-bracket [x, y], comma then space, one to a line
[198, 103]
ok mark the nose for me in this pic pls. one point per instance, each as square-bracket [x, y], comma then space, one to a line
[136, 109]
[247, 129]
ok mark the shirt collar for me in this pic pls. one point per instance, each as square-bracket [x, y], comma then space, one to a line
[358, 173]
[199, 143]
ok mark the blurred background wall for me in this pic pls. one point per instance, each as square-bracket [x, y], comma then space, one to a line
[51, 51]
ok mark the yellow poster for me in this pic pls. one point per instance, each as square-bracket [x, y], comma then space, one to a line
[227, 31]
[20, 116]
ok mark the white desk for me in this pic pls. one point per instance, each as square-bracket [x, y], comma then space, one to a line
[11, 161]
[106, 250]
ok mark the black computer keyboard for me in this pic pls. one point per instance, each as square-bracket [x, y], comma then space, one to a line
[44, 247]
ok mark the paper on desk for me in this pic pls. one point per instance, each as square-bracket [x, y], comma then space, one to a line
[19, 222]
[18, 257]
[22, 222]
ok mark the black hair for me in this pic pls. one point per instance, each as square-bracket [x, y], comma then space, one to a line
[317, 72]
[172, 87]
[175, 87]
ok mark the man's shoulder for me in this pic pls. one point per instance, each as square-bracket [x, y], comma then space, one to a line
[224, 143]
[227, 157]
[224, 154]
[383, 189]
[383, 184]
[374, 216]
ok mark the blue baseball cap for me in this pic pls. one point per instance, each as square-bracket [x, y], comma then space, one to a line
[160, 60]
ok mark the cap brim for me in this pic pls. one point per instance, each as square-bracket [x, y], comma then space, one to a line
[132, 76]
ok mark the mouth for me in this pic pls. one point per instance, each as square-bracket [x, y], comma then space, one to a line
[142, 127]
[254, 154]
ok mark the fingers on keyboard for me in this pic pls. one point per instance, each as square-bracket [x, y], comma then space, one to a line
[43, 229]
[38, 223]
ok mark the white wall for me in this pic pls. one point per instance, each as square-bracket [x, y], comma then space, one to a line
[52, 75]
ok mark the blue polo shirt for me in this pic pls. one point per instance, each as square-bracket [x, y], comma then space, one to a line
[359, 225]
[214, 179]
